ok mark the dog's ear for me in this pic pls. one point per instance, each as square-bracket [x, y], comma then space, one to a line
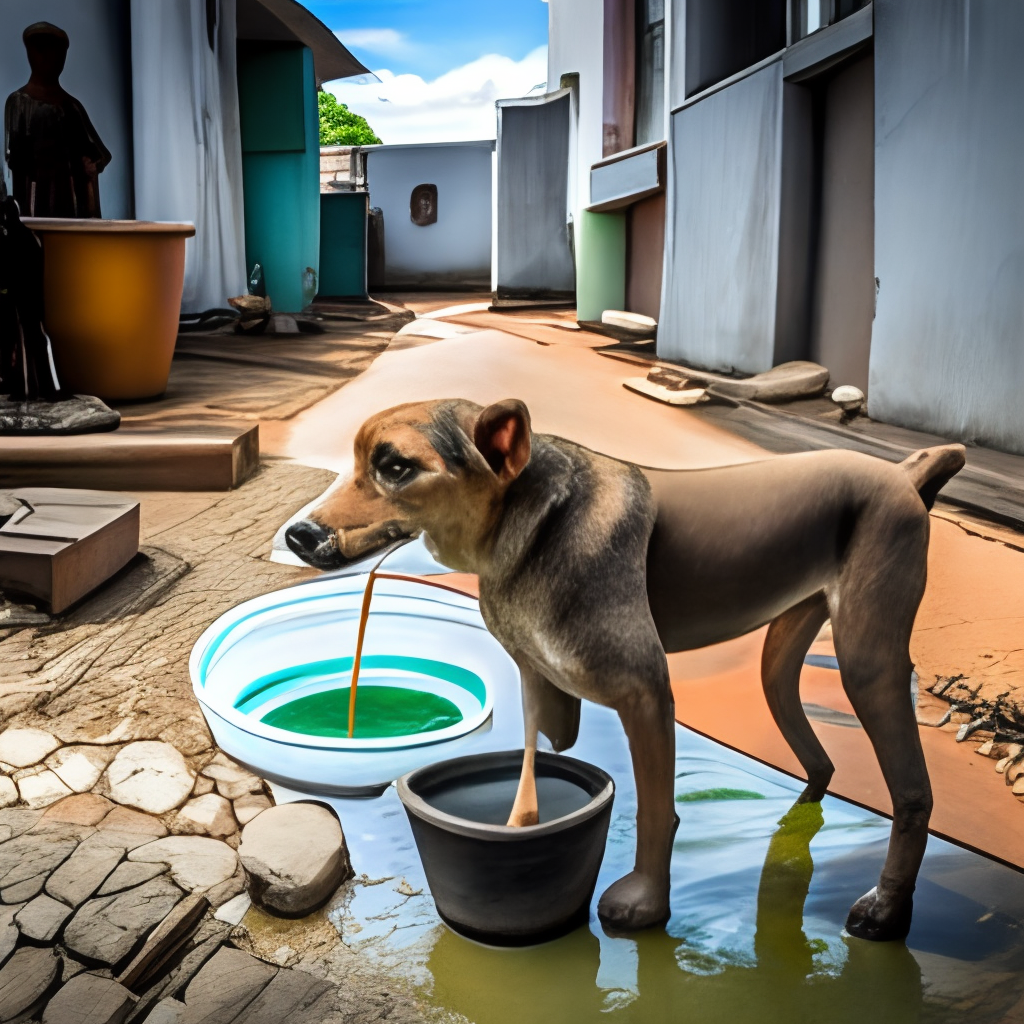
[502, 436]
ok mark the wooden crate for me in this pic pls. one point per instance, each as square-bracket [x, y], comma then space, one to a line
[61, 544]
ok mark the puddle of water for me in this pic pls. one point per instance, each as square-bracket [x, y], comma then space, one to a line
[760, 894]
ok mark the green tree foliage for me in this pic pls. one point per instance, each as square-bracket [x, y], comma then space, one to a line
[340, 127]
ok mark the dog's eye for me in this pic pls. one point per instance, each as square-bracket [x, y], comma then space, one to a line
[397, 471]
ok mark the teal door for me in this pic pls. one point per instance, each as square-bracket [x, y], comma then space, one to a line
[280, 167]
[343, 244]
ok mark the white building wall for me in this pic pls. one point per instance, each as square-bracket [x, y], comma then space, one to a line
[576, 46]
[456, 249]
[98, 74]
[947, 351]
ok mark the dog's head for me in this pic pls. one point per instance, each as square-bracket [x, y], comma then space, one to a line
[441, 468]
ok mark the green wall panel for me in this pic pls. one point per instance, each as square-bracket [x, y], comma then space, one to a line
[600, 263]
[281, 184]
[343, 244]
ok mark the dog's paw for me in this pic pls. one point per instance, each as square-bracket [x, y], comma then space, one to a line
[878, 919]
[633, 902]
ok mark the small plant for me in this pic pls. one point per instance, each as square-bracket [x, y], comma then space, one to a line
[340, 127]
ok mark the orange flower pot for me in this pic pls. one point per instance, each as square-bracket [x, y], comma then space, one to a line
[112, 297]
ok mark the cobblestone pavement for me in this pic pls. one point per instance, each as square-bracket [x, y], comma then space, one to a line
[121, 893]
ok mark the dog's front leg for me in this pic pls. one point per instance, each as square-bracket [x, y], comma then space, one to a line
[524, 809]
[641, 898]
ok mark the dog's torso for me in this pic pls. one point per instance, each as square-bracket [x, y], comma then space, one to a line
[565, 587]
[591, 552]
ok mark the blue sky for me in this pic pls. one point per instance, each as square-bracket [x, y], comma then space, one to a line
[442, 63]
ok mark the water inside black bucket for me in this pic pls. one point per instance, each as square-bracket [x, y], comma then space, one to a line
[487, 797]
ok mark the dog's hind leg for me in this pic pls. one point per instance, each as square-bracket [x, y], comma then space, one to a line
[789, 637]
[872, 616]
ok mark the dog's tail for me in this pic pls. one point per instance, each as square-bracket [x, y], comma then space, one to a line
[930, 469]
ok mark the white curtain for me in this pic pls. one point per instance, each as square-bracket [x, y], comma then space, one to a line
[187, 143]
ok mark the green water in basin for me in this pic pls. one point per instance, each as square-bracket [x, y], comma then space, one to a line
[381, 711]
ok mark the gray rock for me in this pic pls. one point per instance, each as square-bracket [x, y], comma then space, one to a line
[42, 918]
[207, 815]
[151, 776]
[85, 870]
[88, 999]
[8, 931]
[79, 414]
[23, 891]
[286, 999]
[32, 856]
[248, 806]
[79, 767]
[196, 863]
[42, 788]
[234, 909]
[167, 1011]
[19, 820]
[26, 980]
[128, 875]
[225, 987]
[24, 747]
[294, 857]
[107, 929]
[782, 383]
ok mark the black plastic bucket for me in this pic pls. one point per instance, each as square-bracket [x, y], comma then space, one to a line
[509, 886]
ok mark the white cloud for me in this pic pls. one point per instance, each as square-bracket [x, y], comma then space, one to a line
[456, 107]
[386, 41]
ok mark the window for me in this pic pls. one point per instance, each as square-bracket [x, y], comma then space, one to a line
[650, 71]
[810, 15]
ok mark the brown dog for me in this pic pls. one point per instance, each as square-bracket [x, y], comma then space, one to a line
[591, 569]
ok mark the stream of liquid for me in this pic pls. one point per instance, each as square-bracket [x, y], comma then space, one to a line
[419, 712]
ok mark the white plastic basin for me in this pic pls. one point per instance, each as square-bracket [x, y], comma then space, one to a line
[275, 649]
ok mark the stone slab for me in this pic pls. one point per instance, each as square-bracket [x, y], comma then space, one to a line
[196, 863]
[108, 929]
[150, 776]
[286, 999]
[89, 999]
[26, 980]
[85, 870]
[42, 918]
[225, 987]
[128, 875]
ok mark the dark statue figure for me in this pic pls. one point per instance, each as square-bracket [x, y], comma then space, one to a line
[55, 156]
[26, 361]
[54, 153]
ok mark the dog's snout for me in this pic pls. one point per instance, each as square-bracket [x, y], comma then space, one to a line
[309, 540]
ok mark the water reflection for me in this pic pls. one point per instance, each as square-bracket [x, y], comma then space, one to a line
[761, 890]
[787, 980]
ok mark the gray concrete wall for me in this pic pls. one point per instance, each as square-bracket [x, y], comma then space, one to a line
[845, 280]
[722, 241]
[457, 248]
[98, 73]
[947, 352]
[534, 253]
